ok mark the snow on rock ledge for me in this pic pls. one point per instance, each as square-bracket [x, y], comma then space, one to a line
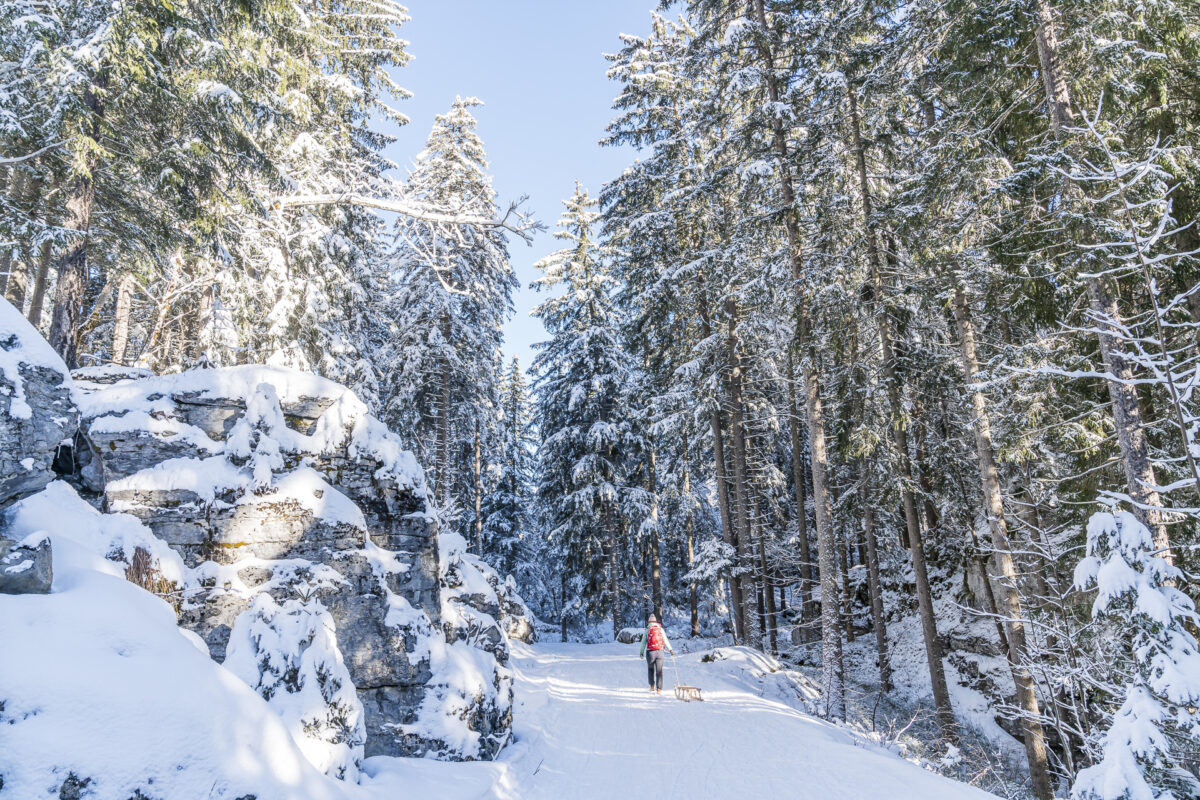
[36, 411]
[304, 522]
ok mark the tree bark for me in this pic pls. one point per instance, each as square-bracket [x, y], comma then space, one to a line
[442, 469]
[874, 584]
[728, 533]
[614, 585]
[689, 530]
[67, 313]
[1057, 94]
[933, 644]
[798, 481]
[1131, 433]
[120, 340]
[768, 612]
[478, 492]
[741, 484]
[1010, 599]
[655, 556]
[833, 685]
[37, 303]
[15, 272]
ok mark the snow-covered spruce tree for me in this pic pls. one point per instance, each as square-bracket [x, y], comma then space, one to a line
[215, 110]
[507, 521]
[1137, 597]
[287, 282]
[453, 292]
[579, 384]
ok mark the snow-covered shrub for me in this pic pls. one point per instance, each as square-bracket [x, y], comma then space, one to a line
[251, 442]
[1136, 589]
[288, 653]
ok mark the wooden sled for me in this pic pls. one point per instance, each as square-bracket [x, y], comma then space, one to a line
[687, 693]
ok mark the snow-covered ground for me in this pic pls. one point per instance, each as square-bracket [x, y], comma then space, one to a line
[587, 728]
[97, 681]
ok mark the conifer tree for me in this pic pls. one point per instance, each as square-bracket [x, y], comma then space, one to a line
[507, 518]
[580, 379]
[453, 293]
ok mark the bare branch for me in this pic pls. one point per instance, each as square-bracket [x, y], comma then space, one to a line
[30, 156]
[513, 220]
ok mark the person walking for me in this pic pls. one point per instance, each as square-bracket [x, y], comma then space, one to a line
[654, 642]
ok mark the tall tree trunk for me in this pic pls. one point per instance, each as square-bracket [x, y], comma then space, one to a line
[768, 611]
[614, 580]
[1131, 435]
[798, 481]
[443, 426]
[562, 619]
[847, 590]
[478, 492]
[38, 301]
[1058, 96]
[933, 644]
[831, 635]
[874, 584]
[833, 683]
[727, 530]
[689, 530]
[67, 313]
[655, 557]
[16, 272]
[120, 340]
[1010, 598]
[721, 467]
[741, 482]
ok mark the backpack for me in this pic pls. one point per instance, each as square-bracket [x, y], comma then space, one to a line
[655, 638]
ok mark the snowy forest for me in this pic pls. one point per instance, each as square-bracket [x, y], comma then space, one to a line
[875, 374]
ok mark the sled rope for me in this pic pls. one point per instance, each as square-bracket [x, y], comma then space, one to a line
[683, 691]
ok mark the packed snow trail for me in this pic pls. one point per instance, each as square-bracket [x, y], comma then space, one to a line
[587, 727]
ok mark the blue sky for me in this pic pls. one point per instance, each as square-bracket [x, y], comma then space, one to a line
[538, 66]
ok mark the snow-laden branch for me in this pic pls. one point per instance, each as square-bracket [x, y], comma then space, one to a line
[513, 221]
[30, 156]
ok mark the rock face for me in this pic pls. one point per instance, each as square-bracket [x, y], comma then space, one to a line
[36, 410]
[629, 635]
[26, 567]
[280, 514]
[271, 481]
[515, 616]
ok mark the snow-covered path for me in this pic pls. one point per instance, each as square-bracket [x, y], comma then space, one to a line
[587, 728]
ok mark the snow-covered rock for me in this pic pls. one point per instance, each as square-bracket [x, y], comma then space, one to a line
[102, 696]
[276, 483]
[516, 618]
[468, 709]
[26, 567]
[629, 635]
[286, 529]
[36, 410]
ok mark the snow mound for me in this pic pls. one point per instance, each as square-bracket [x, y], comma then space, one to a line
[99, 689]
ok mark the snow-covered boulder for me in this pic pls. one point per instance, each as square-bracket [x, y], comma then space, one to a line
[284, 495]
[516, 618]
[36, 410]
[629, 635]
[26, 567]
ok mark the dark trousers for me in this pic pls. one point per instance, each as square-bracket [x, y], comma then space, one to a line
[654, 667]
